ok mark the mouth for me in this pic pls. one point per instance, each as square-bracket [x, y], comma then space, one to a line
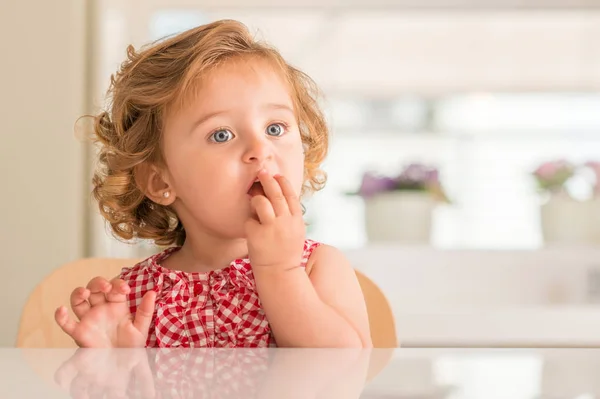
[255, 189]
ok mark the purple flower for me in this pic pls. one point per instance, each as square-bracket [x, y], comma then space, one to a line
[373, 184]
[433, 176]
[417, 177]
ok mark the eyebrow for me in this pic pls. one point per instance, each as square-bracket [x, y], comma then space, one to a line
[208, 116]
[284, 107]
[204, 118]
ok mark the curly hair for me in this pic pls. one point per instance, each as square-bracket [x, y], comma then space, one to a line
[151, 82]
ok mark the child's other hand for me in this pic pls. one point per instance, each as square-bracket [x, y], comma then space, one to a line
[276, 239]
[104, 317]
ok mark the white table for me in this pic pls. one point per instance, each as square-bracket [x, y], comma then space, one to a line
[466, 373]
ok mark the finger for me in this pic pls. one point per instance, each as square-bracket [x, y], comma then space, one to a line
[98, 287]
[79, 301]
[118, 292]
[263, 208]
[293, 201]
[68, 325]
[251, 227]
[274, 194]
[144, 312]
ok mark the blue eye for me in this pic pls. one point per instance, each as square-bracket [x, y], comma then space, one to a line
[275, 129]
[221, 136]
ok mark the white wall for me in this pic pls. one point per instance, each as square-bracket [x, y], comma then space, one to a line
[547, 297]
[381, 51]
[42, 76]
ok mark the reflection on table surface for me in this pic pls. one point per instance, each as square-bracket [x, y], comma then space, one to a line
[301, 373]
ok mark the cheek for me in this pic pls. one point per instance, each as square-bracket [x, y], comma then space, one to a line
[294, 167]
[194, 173]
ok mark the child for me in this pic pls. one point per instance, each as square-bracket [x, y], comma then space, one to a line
[210, 141]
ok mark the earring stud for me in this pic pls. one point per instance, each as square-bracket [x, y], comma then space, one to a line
[166, 194]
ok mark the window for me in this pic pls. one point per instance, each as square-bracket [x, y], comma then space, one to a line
[485, 143]
[486, 147]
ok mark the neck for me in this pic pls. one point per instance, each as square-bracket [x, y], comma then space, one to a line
[203, 252]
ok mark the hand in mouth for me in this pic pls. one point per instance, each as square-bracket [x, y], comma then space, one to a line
[256, 189]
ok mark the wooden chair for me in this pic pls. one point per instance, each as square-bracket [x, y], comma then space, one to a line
[38, 329]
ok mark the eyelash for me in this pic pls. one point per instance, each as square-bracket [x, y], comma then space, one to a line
[284, 125]
[211, 135]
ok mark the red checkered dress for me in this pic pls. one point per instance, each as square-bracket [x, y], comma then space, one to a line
[216, 309]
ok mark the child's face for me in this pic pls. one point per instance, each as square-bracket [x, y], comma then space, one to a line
[241, 120]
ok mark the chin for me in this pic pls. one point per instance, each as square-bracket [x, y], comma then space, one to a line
[233, 228]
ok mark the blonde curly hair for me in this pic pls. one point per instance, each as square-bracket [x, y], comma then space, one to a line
[149, 84]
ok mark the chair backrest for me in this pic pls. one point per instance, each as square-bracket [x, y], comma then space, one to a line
[381, 317]
[38, 329]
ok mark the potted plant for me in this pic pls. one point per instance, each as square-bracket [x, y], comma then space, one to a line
[594, 168]
[400, 208]
[564, 219]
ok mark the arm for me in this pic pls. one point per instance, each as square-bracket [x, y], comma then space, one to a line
[325, 309]
[321, 307]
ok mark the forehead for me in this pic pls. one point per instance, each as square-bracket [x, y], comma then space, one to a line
[241, 82]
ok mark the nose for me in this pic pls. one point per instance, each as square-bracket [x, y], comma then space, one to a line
[259, 150]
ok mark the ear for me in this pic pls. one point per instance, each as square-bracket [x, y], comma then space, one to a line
[155, 184]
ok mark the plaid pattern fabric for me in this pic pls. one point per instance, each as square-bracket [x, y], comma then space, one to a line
[216, 309]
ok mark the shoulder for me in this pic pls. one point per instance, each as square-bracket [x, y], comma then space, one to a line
[336, 283]
[144, 276]
[146, 267]
[323, 254]
[141, 278]
[309, 248]
[137, 271]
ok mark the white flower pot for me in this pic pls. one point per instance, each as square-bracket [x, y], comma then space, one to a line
[568, 221]
[399, 217]
[594, 220]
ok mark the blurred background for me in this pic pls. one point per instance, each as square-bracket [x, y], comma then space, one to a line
[464, 165]
[483, 95]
